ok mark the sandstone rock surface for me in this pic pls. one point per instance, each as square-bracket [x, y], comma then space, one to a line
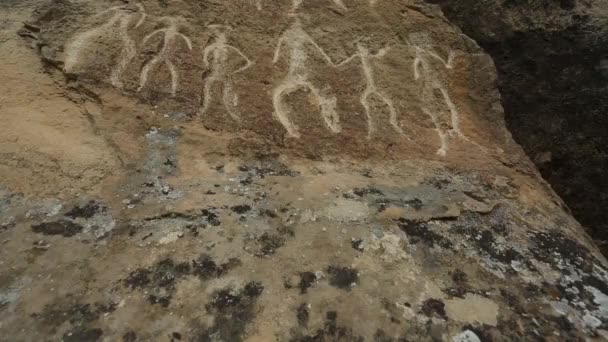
[317, 170]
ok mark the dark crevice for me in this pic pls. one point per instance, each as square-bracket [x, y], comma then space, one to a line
[552, 61]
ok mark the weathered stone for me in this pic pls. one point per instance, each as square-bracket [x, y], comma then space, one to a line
[341, 171]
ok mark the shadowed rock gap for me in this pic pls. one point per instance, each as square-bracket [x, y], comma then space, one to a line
[551, 57]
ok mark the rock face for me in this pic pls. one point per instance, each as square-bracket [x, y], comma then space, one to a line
[315, 78]
[553, 73]
[289, 170]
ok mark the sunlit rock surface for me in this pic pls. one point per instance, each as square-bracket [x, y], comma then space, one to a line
[272, 171]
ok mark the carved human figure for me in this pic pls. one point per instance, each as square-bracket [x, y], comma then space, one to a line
[298, 42]
[120, 23]
[371, 90]
[171, 37]
[430, 69]
[215, 57]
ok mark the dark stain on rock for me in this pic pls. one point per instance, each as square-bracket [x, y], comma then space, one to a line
[160, 279]
[392, 310]
[331, 325]
[163, 274]
[164, 277]
[307, 280]
[286, 230]
[439, 183]
[253, 289]
[513, 301]
[241, 209]
[500, 229]
[575, 292]
[268, 213]
[206, 268]
[459, 291]
[459, 286]
[83, 335]
[484, 240]
[342, 277]
[232, 311]
[77, 314]
[357, 244]
[552, 246]
[138, 278]
[331, 331]
[194, 221]
[211, 217]
[163, 300]
[418, 231]
[172, 215]
[466, 228]
[415, 203]
[64, 228]
[432, 307]
[367, 191]
[271, 167]
[459, 277]
[487, 243]
[593, 281]
[171, 162]
[268, 244]
[382, 336]
[303, 315]
[129, 336]
[545, 326]
[86, 211]
[246, 181]
[563, 323]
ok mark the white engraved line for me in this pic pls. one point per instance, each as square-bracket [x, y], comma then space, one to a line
[429, 87]
[220, 49]
[170, 34]
[372, 90]
[297, 78]
[127, 54]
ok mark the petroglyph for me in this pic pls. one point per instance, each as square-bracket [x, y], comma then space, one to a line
[171, 35]
[371, 91]
[434, 92]
[122, 18]
[220, 51]
[297, 41]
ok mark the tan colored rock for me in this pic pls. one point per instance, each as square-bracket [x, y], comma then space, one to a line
[275, 170]
[473, 309]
